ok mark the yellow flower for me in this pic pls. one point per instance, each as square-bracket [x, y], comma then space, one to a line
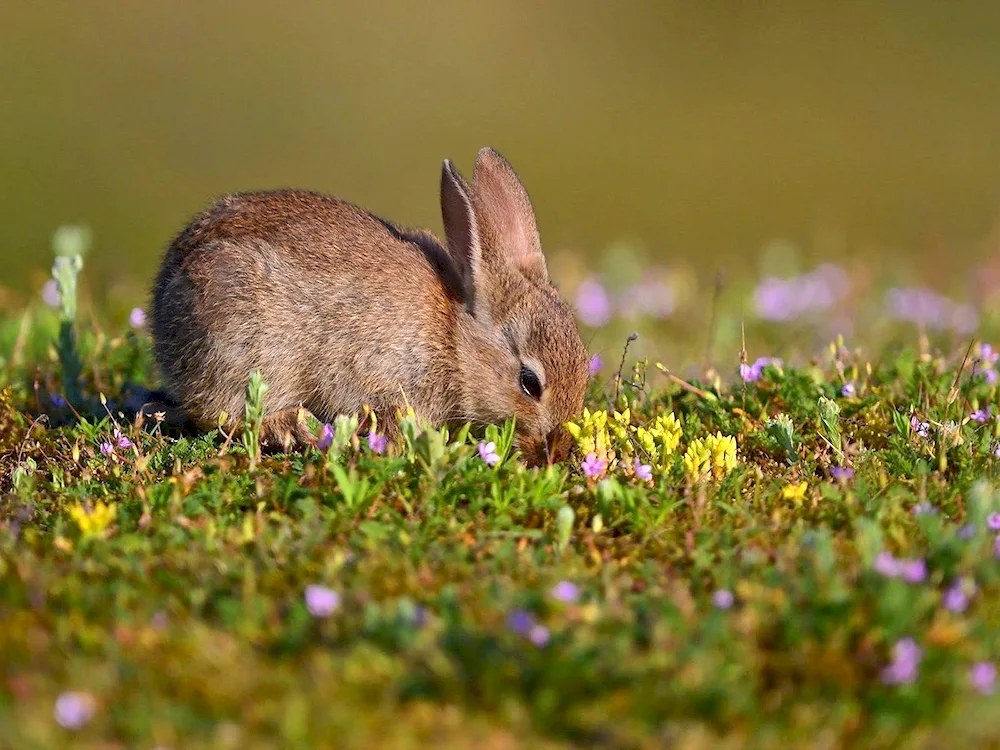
[723, 451]
[796, 492]
[93, 520]
[620, 425]
[697, 459]
[659, 439]
[591, 435]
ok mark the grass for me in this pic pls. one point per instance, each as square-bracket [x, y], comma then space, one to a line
[748, 606]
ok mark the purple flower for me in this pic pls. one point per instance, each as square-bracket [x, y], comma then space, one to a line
[966, 532]
[996, 451]
[842, 473]
[50, 293]
[121, 441]
[488, 452]
[57, 401]
[566, 592]
[913, 571]
[321, 601]
[956, 597]
[980, 415]
[993, 521]
[723, 599]
[73, 710]
[906, 657]
[595, 365]
[592, 303]
[325, 437]
[983, 677]
[642, 471]
[921, 428]
[996, 548]
[886, 565]
[848, 391]
[593, 466]
[987, 373]
[987, 355]
[520, 622]
[923, 509]
[751, 373]
[538, 635]
[107, 448]
[137, 318]
[377, 443]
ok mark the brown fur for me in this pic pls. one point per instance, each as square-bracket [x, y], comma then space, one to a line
[338, 308]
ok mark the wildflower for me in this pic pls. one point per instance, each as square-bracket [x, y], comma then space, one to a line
[848, 391]
[57, 401]
[593, 466]
[795, 492]
[73, 710]
[593, 305]
[906, 658]
[723, 453]
[93, 520]
[842, 473]
[566, 592]
[980, 415]
[592, 435]
[538, 635]
[520, 622]
[925, 307]
[921, 428]
[488, 452]
[50, 293]
[107, 448]
[983, 677]
[985, 363]
[723, 599]
[642, 471]
[660, 438]
[321, 601]
[325, 437]
[697, 459]
[966, 532]
[887, 565]
[752, 373]
[137, 318]
[923, 509]
[996, 451]
[956, 597]
[377, 443]
[652, 297]
[913, 571]
[993, 521]
[996, 547]
[595, 365]
[121, 441]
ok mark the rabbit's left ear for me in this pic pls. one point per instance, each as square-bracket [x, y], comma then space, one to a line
[461, 231]
[505, 217]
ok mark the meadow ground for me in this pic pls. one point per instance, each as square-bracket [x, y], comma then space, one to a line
[799, 553]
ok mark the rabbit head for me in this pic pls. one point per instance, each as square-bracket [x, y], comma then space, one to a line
[518, 350]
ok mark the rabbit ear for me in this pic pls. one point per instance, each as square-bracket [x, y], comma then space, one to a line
[506, 219]
[460, 229]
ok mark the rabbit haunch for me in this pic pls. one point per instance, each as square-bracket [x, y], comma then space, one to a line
[338, 308]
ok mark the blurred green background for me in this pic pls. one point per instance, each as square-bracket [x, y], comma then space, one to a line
[701, 130]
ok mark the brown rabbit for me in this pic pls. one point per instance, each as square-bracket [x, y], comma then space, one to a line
[338, 308]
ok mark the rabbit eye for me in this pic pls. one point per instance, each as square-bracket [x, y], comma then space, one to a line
[530, 383]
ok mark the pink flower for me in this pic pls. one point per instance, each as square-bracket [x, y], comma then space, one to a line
[74, 710]
[723, 599]
[488, 452]
[321, 601]
[848, 391]
[993, 521]
[642, 471]
[377, 443]
[566, 592]
[121, 441]
[983, 677]
[107, 448]
[593, 305]
[595, 365]
[137, 318]
[906, 658]
[593, 466]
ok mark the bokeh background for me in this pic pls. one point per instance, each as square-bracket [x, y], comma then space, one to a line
[659, 139]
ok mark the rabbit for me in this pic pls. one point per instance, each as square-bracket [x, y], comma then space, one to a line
[340, 309]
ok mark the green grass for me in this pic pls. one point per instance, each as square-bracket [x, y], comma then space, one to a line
[184, 621]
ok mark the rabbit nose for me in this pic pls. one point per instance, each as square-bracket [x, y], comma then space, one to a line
[547, 449]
